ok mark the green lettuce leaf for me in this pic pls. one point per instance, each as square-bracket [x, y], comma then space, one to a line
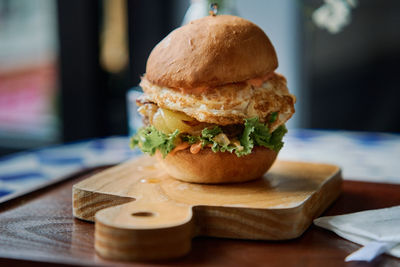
[190, 139]
[207, 136]
[277, 136]
[149, 140]
[273, 117]
[246, 140]
[255, 133]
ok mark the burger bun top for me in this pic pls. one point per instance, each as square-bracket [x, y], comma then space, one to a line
[210, 52]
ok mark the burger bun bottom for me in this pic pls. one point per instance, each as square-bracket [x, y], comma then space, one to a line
[216, 168]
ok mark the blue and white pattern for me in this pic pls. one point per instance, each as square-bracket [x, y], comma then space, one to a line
[363, 156]
[371, 157]
[27, 171]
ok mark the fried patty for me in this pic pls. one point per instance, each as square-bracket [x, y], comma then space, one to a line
[228, 104]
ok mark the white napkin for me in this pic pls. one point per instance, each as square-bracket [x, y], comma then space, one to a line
[377, 230]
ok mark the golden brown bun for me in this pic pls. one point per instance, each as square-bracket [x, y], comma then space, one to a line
[211, 51]
[215, 168]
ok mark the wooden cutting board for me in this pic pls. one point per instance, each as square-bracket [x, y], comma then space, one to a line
[143, 214]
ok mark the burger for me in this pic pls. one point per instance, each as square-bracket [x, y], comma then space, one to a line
[213, 107]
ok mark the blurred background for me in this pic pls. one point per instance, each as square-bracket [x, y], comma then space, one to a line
[66, 66]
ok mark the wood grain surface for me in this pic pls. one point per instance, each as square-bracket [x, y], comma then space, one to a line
[38, 230]
[141, 213]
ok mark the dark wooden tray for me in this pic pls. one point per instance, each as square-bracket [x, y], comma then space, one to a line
[38, 229]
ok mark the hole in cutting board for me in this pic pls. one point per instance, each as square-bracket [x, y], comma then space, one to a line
[142, 214]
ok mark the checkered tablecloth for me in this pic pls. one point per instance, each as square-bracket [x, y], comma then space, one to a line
[373, 157]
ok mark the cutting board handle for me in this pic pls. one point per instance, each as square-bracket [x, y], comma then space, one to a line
[144, 229]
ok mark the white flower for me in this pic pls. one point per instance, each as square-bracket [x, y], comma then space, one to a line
[333, 15]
